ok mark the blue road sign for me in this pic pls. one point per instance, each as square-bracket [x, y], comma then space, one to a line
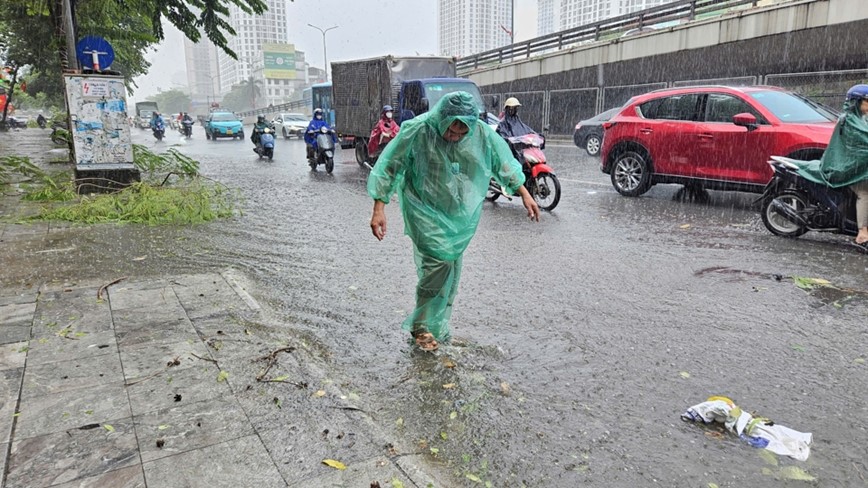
[95, 53]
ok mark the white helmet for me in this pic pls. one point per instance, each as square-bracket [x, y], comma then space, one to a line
[511, 102]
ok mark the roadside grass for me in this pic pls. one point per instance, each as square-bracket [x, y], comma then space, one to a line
[172, 192]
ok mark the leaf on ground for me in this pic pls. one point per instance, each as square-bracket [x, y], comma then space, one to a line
[444, 436]
[108, 428]
[400, 422]
[449, 386]
[473, 477]
[448, 363]
[859, 361]
[794, 473]
[797, 347]
[223, 376]
[281, 378]
[88, 412]
[810, 283]
[396, 483]
[162, 427]
[453, 415]
[140, 258]
[769, 457]
[685, 226]
[713, 485]
[278, 402]
[684, 374]
[434, 450]
[505, 388]
[319, 393]
[334, 464]
[247, 332]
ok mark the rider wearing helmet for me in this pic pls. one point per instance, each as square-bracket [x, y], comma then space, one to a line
[259, 127]
[511, 125]
[310, 134]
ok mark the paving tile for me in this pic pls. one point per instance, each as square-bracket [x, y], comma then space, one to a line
[190, 427]
[126, 297]
[298, 443]
[73, 454]
[71, 409]
[130, 477]
[51, 378]
[20, 232]
[78, 314]
[146, 359]
[207, 295]
[375, 469]
[17, 314]
[13, 355]
[10, 387]
[4, 455]
[17, 296]
[9, 335]
[176, 388]
[60, 346]
[232, 464]
[139, 317]
[89, 286]
[173, 330]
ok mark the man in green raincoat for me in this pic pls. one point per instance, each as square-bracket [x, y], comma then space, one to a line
[845, 161]
[440, 165]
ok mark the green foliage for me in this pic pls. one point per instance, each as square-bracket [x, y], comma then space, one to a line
[142, 203]
[243, 95]
[10, 165]
[171, 161]
[42, 186]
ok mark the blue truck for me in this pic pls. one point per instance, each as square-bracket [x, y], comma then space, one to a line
[409, 84]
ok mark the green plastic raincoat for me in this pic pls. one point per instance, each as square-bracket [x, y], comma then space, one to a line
[441, 187]
[845, 161]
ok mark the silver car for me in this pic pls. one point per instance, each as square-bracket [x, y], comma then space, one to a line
[291, 124]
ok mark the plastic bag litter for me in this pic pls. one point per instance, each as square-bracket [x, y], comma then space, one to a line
[756, 431]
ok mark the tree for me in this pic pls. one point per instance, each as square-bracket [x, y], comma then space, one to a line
[172, 101]
[236, 100]
[251, 88]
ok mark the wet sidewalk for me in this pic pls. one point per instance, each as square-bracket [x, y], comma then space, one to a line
[173, 383]
[178, 381]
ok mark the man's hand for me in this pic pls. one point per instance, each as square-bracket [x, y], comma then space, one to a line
[529, 203]
[378, 220]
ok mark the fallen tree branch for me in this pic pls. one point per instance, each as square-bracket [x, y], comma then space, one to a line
[204, 359]
[105, 287]
[272, 358]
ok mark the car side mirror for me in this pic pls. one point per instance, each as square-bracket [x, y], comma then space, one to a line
[745, 120]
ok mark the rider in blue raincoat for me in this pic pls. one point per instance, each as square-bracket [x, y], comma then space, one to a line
[440, 165]
[313, 127]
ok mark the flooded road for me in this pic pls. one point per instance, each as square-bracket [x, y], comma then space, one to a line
[579, 339]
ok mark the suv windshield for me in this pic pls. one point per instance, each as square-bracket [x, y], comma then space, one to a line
[223, 117]
[294, 117]
[791, 108]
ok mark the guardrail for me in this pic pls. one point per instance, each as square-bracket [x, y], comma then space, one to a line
[669, 12]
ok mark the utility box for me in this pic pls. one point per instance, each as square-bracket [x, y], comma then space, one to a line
[99, 126]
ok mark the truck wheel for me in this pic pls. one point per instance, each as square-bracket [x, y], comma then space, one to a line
[361, 151]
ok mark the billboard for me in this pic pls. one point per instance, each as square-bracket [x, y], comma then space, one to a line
[279, 61]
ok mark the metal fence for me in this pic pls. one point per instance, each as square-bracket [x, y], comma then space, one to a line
[826, 87]
[669, 13]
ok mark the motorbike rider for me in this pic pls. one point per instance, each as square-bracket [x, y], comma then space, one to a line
[156, 120]
[258, 128]
[385, 130]
[511, 125]
[315, 125]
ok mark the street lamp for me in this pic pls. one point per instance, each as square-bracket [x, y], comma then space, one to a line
[325, 59]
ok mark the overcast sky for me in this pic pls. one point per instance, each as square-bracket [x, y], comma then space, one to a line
[400, 27]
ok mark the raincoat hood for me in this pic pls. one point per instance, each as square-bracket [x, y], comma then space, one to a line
[845, 161]
[454, 106]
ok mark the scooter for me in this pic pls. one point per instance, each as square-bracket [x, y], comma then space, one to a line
[159, 130]
[323, 149]
[265, 147]
[540, 181]
[793, 205]
[187, 128]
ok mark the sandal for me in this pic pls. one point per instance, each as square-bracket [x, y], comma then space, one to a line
[425, 340]
[861, 246]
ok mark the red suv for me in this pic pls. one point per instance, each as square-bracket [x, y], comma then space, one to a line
[714, 137]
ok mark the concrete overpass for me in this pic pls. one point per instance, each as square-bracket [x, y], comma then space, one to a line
[818, 47]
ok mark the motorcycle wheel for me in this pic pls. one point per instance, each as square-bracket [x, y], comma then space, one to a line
[361, 152]
[492, 195]
[546, 191]
[330, 165]
[778, 224]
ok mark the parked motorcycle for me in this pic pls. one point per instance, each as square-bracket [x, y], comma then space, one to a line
[540, 181]
[59, 133]
[323, 149]
[265, 147]
[186, 128]
[159, 130]
[793, 205]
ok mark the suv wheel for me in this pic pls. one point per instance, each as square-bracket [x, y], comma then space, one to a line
[631, 174]
[592, 145]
